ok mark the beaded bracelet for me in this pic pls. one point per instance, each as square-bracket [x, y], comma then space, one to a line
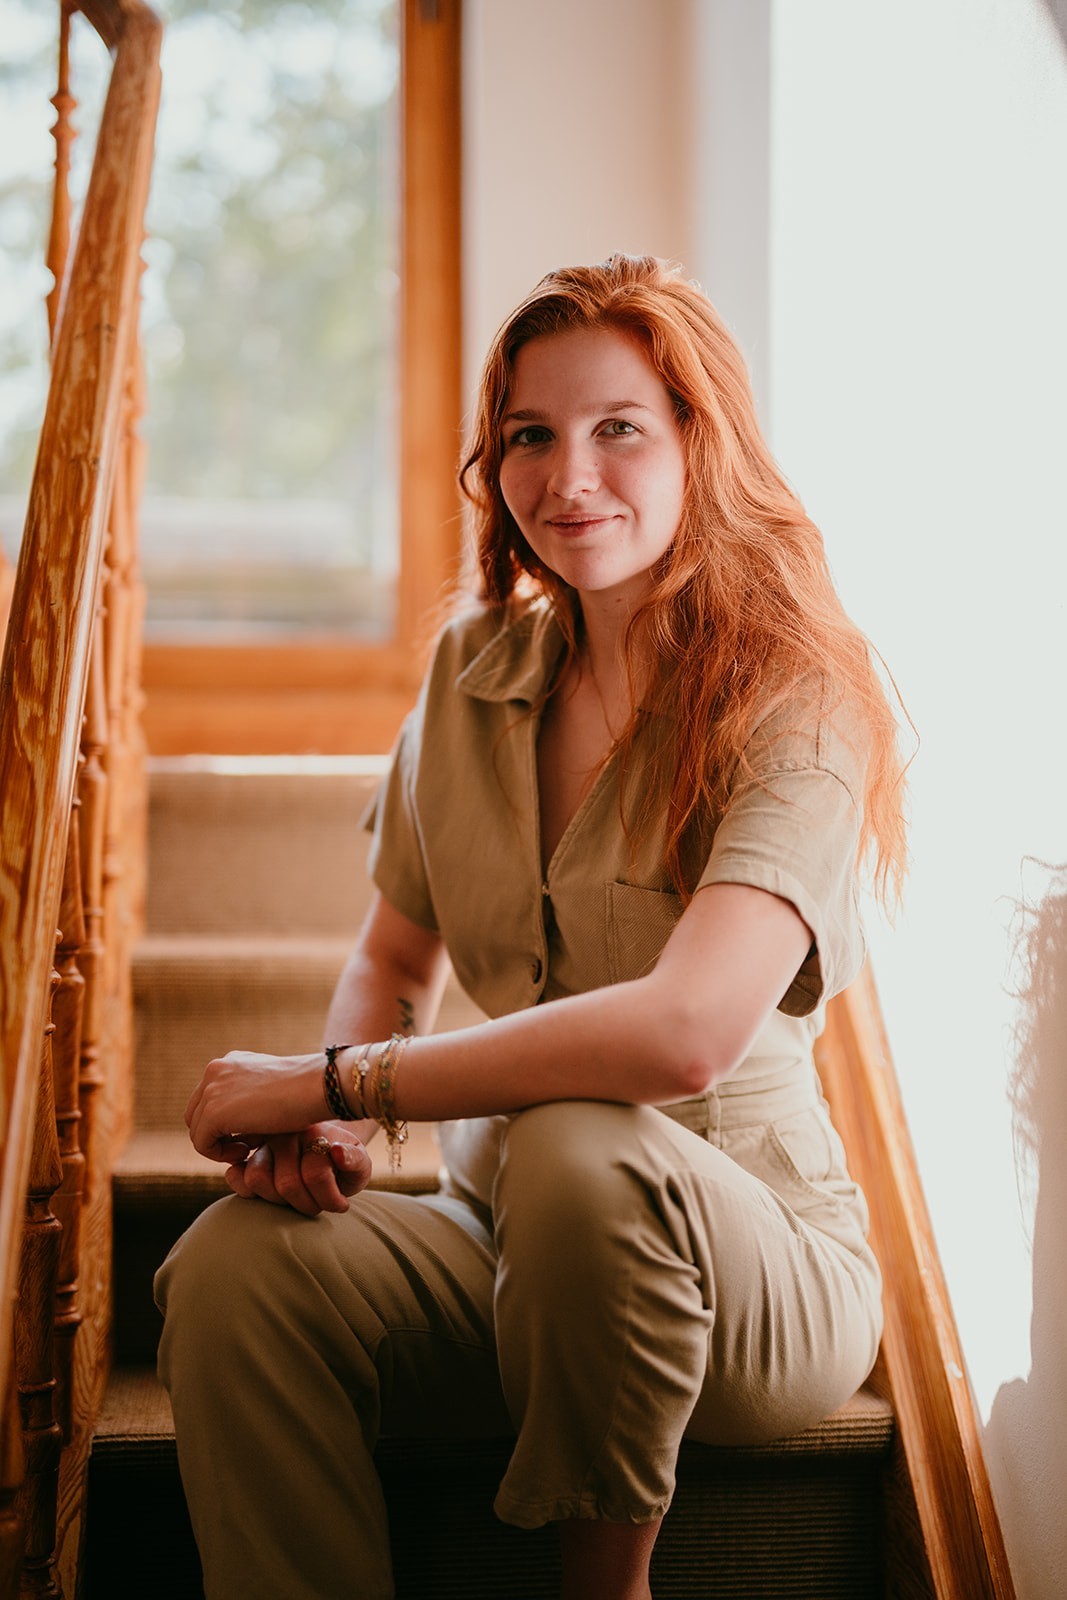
[383, 1088]
[331, 1084]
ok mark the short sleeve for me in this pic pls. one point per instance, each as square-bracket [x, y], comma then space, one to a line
[396, 862]
[792, 827]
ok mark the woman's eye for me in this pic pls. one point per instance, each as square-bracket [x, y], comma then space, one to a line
[619, 428]
[530, 435]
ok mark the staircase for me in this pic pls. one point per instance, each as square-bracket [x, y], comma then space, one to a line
[256, 887]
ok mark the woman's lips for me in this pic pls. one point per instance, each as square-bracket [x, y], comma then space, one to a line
[579, 524]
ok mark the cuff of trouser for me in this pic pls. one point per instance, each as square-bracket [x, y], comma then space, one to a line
[571, 1508]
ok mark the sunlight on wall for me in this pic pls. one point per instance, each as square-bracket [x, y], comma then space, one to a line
[919, 342]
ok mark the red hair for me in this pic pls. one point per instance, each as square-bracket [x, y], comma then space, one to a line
[743, 616]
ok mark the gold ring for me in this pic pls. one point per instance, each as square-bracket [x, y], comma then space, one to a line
[320, 1146]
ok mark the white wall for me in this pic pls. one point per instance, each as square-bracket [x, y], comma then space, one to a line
[874, 196]
[575, 144]
[919, 348]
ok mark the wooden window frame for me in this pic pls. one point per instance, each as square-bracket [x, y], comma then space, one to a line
[340, 697]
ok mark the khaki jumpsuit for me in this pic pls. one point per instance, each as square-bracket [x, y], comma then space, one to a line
[596, 1279]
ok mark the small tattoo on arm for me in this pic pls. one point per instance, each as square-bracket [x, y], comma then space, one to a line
[407, 1015]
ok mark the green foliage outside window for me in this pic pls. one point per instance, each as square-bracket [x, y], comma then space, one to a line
[270, 305]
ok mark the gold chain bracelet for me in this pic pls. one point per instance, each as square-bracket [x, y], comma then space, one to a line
[382, 1089]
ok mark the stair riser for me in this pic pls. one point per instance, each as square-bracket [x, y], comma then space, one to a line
[181, 1026]
[189, 1012]
[734, 1532]
[233, 852]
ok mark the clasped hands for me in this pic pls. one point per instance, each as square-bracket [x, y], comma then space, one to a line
[260, 1114]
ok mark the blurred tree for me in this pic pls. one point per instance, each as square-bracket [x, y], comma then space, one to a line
[270, 321]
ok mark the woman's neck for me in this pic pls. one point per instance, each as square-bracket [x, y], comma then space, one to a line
[602, 653]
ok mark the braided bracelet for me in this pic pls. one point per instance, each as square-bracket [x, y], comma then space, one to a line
[331, 1084]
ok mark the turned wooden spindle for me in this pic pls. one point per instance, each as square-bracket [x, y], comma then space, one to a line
[92, 822]
[34, 1343]
[133, 813]
[67, 1011]
[12, 1469]
[64, 133]
[115, 594]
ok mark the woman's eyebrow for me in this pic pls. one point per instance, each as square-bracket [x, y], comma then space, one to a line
[605, 405]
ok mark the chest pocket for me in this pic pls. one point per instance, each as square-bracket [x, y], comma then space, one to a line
[639, 923]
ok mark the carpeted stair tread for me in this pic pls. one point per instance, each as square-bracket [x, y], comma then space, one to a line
[255, 844]
[222, 959]
[136, 1412]
[795, 1520]
[160, 1167]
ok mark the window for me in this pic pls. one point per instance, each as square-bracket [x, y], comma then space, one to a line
[300, 515]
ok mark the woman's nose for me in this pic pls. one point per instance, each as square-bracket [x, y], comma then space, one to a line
[574, 469]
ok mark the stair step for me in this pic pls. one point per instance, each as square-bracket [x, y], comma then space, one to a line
[136, 1415]
[259, 844]
[160, 1186]
[197, 996]
[160, 1168]
[796, 1518]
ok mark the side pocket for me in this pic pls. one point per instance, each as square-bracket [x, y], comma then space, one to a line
[801, 1147]
[801, 1158]
[639, 923]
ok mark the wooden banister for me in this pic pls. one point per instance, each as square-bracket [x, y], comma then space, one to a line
[946, 1540]
[74, 606]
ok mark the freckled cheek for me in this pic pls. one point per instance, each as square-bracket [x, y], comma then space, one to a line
[520, 494]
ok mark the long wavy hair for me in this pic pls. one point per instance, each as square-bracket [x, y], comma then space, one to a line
[742, 617]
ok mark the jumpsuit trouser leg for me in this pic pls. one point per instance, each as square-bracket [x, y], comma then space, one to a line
[633, 1281]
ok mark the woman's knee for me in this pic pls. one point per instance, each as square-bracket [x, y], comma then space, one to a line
[227, 1249]
[249, 1277]
[573, 1174]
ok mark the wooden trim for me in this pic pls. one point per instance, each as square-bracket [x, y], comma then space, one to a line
[431, 270]
[349, 696]
[921, 1362]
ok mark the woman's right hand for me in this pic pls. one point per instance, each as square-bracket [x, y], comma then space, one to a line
[284, 1171]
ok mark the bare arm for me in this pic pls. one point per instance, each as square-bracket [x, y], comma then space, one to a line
[651, 1041]
[392, 981]
[655, 1039]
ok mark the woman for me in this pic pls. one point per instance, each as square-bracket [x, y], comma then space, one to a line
[629, 807]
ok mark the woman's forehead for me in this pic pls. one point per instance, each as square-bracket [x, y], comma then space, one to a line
[599, 367]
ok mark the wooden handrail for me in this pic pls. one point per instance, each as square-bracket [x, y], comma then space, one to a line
[947, 1539]
[54, 646]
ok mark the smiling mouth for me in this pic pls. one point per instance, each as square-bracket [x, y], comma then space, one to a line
[578, 524]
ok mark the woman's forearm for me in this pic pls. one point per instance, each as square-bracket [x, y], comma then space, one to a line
[653, 1040]
[604, 1045]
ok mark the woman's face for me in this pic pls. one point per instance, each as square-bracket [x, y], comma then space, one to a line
[593, 467]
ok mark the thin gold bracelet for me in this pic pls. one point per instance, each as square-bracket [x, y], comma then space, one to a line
[359, 1075]
[384, 1087]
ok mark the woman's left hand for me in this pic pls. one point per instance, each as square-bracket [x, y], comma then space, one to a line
[243, 1096]
[315, 1170]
